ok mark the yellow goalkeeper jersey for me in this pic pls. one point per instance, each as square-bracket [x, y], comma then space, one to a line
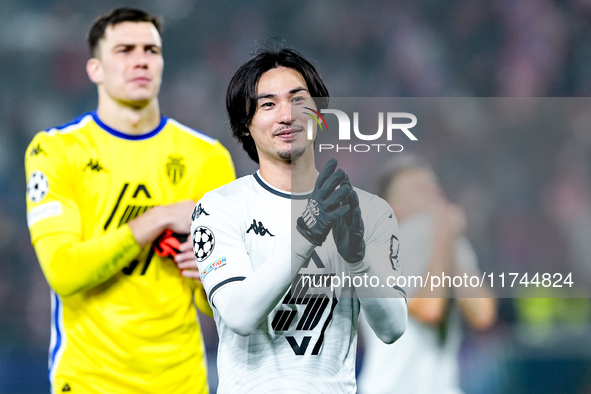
[136, 332]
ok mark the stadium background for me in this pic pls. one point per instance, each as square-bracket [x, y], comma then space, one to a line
[533, 206]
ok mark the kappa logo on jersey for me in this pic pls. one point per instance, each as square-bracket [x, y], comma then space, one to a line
[37, 186]
[310, 213]
[258, 229]
[203, 243]
[197, 211]
[37, 150]
[175, 168]
[219, 263]
[94, 165]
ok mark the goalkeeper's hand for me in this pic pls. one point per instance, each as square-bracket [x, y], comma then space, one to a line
[348, 230]
[325, 204]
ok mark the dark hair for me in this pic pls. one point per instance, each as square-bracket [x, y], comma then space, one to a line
[114, 17]
[241, 96]
[394, 167]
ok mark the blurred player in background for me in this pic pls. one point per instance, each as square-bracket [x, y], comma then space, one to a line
[101, 189]
[273, 337]
[424, 360]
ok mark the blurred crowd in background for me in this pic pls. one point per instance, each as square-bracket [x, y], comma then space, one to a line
[526, 190]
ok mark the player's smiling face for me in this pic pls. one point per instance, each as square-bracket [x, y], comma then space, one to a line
[129, 64]
[278, 125]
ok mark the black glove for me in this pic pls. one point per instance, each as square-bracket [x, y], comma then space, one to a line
[324, 206]
[348, 230]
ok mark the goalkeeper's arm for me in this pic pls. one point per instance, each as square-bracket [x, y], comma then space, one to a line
[71, 266]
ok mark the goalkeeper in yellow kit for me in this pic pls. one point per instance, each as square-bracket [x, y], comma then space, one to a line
[101, 190]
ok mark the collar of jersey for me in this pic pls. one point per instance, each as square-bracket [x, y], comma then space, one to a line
[132, 137]
[277, 192]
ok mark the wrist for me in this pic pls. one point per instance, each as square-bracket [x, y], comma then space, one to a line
[301, 246]
[359, 268]
[160, 218]
[148, 226]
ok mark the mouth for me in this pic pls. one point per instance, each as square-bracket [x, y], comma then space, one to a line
[141, 80]
[288, 134]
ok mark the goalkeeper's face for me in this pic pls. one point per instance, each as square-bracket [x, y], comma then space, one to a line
[278, 126]
[128, 68]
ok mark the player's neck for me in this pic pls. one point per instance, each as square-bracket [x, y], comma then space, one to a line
[298, 176]
[127, 119]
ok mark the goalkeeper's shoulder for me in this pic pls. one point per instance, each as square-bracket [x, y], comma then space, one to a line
[63, 137]
[196, 138]
[203, 151]
[60, 146]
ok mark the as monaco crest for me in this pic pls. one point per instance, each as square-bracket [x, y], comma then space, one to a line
[175, 168]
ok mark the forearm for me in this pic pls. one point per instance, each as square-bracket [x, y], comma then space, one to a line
[478, 305]
[386, 316]
[71, 266]
[440, 256]
[481, 313]
[147, 227]
[428, 305]
[244, 304]
[384, 307]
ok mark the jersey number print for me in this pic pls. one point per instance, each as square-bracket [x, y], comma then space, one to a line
[316, 304]
[131, 212]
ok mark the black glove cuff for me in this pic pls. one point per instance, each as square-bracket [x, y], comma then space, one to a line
[305, 231]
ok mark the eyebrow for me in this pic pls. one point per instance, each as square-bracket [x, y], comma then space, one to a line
[292, 91]
[129, 45]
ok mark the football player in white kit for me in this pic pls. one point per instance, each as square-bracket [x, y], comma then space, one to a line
[282, 326]
[432, 232]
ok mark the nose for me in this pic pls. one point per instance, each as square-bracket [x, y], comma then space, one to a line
[141, 59]
[285, 115]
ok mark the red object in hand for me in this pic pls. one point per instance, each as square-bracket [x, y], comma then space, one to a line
[168, 244]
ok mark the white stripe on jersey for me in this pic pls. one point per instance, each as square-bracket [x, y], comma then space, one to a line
[58, 337]
[68, 129]
[193, 132]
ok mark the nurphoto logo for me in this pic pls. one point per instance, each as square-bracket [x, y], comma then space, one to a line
[394, 126]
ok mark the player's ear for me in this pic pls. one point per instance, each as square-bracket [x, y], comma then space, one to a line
[94, 70]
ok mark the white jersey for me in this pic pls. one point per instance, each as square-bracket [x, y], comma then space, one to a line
[307, 344]
[425, 359]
